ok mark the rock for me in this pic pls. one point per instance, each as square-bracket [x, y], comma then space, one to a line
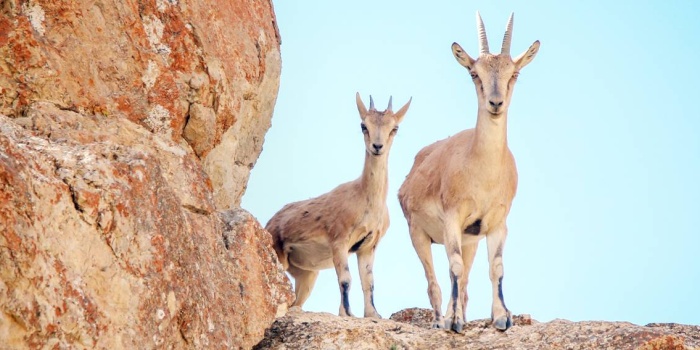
[309, 330]
[125, 129]
[149, 62]
[110, 239]
[424, 318]
[200, 125]
[256, 266]
[416, 316]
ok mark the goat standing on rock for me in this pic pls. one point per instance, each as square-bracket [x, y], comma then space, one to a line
[460, 189]
[320, 233]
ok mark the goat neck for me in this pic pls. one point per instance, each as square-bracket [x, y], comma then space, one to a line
[374, 179]
[490, 134]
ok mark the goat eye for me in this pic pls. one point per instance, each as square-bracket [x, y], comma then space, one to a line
[515, 75]
[364, 128]
[474, 76]
[394, 130]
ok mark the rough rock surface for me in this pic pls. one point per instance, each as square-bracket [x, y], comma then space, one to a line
[109, 238]
[157, 63]
[125, 128]
[410, 329]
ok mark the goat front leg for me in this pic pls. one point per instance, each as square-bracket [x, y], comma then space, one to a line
[454, 318]
[365, 262]
[422, 244]
[340, 261]
[495, 241]
[468, 253]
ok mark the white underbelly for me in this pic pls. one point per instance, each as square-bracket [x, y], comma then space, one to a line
[310, 255]
[430, 222]
[437, 237]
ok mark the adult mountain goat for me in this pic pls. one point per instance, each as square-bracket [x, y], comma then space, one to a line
[460, 189]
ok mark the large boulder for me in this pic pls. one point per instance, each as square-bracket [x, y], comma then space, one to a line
[109, 238]
[127, 133]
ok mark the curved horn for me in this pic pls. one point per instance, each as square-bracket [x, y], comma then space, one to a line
[483, 42]
[371, 103]
[505, 48]
[389, 108]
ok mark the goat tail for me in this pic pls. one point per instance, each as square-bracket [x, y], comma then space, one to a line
[282, 255]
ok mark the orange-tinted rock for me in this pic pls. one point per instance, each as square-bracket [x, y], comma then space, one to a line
[109, 238]
[665, 342]
[147, 62]
[110, 230]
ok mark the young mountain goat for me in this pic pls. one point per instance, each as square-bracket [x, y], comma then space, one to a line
[321, 232]
[460, 189]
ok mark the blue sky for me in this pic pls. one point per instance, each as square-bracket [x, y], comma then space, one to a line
[604, 126]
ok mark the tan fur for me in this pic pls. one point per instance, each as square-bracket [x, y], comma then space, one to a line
[464, 182]
[320, 233]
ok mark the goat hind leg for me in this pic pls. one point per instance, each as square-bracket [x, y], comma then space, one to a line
[304, 281]
[422, 245]
[468, 253]
[500, 315]
[365, 262]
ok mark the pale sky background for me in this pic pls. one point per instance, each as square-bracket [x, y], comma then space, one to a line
[604, 126]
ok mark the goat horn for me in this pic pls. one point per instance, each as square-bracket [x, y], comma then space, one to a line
[483, 42]
[505, 49]
[371, 103]
[389, 108]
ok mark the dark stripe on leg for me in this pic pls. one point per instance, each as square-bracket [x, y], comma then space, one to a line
[346, 301]
[455, 292]
[500, 292]
[499, 251]
[371, 295]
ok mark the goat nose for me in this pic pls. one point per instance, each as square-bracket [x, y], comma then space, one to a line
[496, 104]
[377, 147]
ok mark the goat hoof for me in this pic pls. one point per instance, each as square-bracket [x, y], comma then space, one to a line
[438, 325]
[458, 326]
[374, 315]
[503, 323]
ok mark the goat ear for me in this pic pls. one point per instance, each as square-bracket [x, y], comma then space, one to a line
[527, 56]
[402, 112]
[360, 106]
[462, 57]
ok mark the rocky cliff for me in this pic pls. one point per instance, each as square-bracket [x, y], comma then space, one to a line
[410, 329]
[127, 132]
